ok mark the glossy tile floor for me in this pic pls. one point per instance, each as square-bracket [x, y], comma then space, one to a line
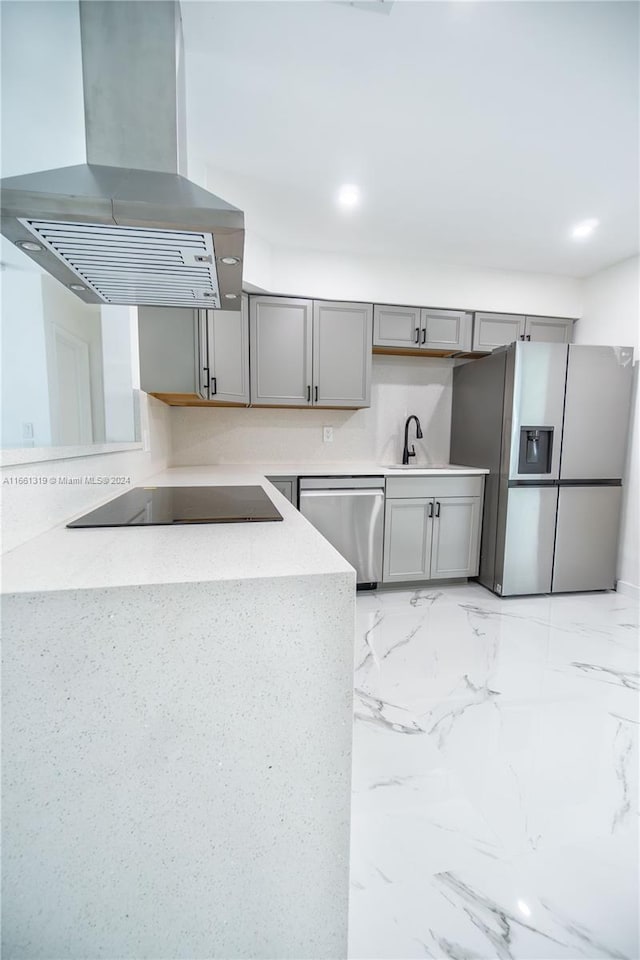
[495, 804]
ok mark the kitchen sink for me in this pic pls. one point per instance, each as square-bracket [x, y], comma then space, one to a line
[415, 466]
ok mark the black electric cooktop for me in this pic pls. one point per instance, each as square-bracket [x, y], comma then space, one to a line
[153, 506]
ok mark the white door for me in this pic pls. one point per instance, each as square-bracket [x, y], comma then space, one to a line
[70, 390]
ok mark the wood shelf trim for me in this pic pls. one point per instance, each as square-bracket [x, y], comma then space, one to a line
[442, 354]
[191, 400]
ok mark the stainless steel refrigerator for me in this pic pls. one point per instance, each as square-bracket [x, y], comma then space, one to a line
[550, 421]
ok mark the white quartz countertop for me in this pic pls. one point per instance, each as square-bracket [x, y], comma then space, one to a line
[90, 558]
[340, 468]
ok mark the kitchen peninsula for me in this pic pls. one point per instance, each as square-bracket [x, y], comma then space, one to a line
[178, 708]
[178, 737]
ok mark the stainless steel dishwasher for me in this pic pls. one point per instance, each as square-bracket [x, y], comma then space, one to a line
[349, 513]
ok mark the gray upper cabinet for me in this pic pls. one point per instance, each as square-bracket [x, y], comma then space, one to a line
[228, 353]
[342, 354]
[445, 329]
[168, 343]
[549, 329]
[399, 327]
[306, 353]
[192, 355]
[281, 332]
[491, 330]
[421, 328]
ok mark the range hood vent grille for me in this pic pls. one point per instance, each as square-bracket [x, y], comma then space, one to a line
[124, 265]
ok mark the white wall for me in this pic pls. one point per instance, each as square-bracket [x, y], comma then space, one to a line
[42, 120]
[42, 103]
[612, 316]
[403, 279]
[400, 386]
[42, 125]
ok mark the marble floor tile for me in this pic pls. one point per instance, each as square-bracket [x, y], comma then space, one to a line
[495, 776]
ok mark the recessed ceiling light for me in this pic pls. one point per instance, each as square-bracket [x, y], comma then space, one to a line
[229, 261]
[584, 229]
[29, 245]
[349, 196]
[76, 286]
[231, 296]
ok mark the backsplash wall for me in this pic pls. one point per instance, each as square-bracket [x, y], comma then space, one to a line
[400, 386]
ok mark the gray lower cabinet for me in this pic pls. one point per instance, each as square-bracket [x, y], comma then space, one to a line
[456, 534]
[408, 529]
[432, 537]
[306, 353]
[194, 354]
[421, 328]
[288, 487]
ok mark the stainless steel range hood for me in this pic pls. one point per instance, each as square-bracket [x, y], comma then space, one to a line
[116, 233]
[128, 236]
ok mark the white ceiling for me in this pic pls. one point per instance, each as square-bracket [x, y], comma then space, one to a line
[479, 133]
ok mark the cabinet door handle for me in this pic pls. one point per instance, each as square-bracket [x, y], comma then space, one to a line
[528, 336]
[214, 386]
[521, 337]
[308, 393]
[430, 514]
[424, 335]
[205, 386]
[417, 334]
[437, 509]
[316, 394]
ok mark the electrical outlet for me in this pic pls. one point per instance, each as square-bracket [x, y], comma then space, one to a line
[327, 434]
[27, 431]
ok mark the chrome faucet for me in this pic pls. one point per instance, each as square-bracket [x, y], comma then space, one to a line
[406, 453]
